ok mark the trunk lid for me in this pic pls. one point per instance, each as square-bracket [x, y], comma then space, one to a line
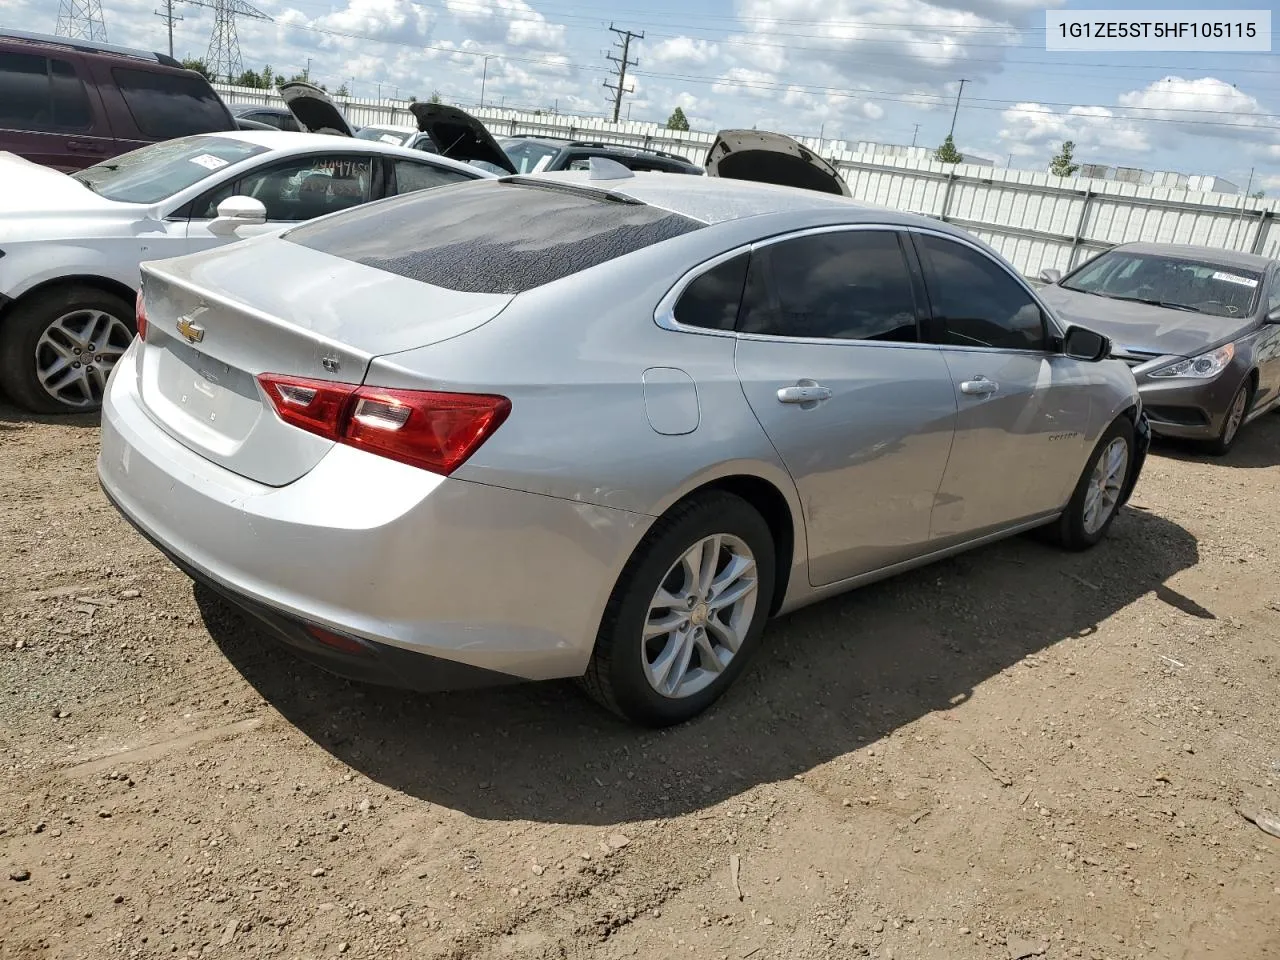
[459, 136]
[313, 109]
[767, 157]
[218, 319]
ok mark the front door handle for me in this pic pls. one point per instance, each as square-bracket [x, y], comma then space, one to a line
[979, 386]
[79, 146]
[805, 391]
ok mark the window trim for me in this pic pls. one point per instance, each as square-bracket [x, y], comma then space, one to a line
[1053, 328]
[664, 315]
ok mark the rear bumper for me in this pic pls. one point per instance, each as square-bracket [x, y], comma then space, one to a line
[406, 563]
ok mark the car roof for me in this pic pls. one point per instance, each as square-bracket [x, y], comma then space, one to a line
[717, 199]
[296, 140]
[239, 108]
[1186, 251]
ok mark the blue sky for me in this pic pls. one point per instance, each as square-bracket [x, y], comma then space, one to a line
[851, 69]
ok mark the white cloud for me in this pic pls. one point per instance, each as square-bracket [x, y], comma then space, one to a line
[683, 51]
[1032, 129]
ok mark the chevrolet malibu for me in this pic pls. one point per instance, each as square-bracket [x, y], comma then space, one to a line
[598, 424]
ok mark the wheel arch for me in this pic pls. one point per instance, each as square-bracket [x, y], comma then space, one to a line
[778, 512]
[96, 281]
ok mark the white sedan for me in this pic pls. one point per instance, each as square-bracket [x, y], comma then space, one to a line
[71, 244]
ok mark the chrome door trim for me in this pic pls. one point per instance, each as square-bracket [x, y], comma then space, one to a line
[664, 314]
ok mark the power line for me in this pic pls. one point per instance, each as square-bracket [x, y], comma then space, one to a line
[620, 88]
[840, 92]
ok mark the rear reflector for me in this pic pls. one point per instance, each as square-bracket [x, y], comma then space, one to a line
[337, 641]
[424, 428]
[140, 316]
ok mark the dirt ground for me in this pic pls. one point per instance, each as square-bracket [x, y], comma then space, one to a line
[1013, 753]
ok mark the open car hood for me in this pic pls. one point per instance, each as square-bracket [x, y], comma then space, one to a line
[768, 157]
[458, 135]
[313, 109]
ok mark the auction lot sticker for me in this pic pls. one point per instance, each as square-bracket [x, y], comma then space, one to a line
[1186, 31]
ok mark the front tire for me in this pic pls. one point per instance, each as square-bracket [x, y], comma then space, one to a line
[1239, 409]
[58, 347]
[1096, 501]
[687, 612]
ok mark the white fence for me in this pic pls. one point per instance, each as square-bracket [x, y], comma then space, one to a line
[1035, 219]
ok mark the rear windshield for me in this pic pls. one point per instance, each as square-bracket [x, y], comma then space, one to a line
[490, 236]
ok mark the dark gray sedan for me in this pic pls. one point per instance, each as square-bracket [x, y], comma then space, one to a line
[1199, 327]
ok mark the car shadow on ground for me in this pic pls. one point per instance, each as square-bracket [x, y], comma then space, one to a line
[1258, 446]
[830, 679]
[11, 418]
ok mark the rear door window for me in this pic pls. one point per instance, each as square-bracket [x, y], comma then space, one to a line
[168, 105]
[712, 300]
[492, 236]
[42, 93]
[835, 285]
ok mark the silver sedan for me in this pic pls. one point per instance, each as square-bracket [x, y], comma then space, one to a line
[598, 425]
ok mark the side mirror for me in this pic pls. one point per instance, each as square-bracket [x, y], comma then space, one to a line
[1273, 316]
[237, 212]
[1081, 343]
[1050, 275]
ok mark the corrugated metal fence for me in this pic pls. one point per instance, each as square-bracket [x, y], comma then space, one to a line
[1035, 219]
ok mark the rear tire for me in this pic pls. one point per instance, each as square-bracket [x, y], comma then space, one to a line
[1096, 501]
[1231, 427]
[704, 633]
[39, 340]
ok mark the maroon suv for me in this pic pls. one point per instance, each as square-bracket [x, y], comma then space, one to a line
[70, 103]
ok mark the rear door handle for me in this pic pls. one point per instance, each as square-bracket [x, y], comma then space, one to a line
[805, 391]
[979, 386]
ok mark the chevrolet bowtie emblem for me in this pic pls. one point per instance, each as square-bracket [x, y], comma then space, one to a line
[191, 330]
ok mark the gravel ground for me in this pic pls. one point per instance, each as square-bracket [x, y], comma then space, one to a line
[1015, 753]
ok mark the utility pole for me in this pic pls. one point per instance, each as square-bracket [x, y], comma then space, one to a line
[915, 134]
[307, 72]
[1244, 201]
[956, 112]
[620, 88]
[484, 75]
[169, 17]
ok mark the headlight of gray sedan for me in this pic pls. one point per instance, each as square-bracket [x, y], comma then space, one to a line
[1204, 367]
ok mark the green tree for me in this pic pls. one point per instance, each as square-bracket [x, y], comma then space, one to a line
[677, 120]
[947, 153]
[1061, 165]
[199, 66]
[342, 91]
[435, 97]
[1258, 194]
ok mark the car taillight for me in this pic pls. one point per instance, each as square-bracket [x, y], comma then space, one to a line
[424, 428]
[140, 316]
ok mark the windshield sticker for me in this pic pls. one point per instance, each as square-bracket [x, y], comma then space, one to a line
[209, 161]
[1234, 278]
[391, 139]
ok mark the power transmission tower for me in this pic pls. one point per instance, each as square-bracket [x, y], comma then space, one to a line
[223, 58]
[170, 19]
[81, 20]
[621, 88]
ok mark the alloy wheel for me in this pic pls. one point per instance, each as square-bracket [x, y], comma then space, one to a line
[699, 616]
[1235, 416]
[75, 354]
[1105, 484]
